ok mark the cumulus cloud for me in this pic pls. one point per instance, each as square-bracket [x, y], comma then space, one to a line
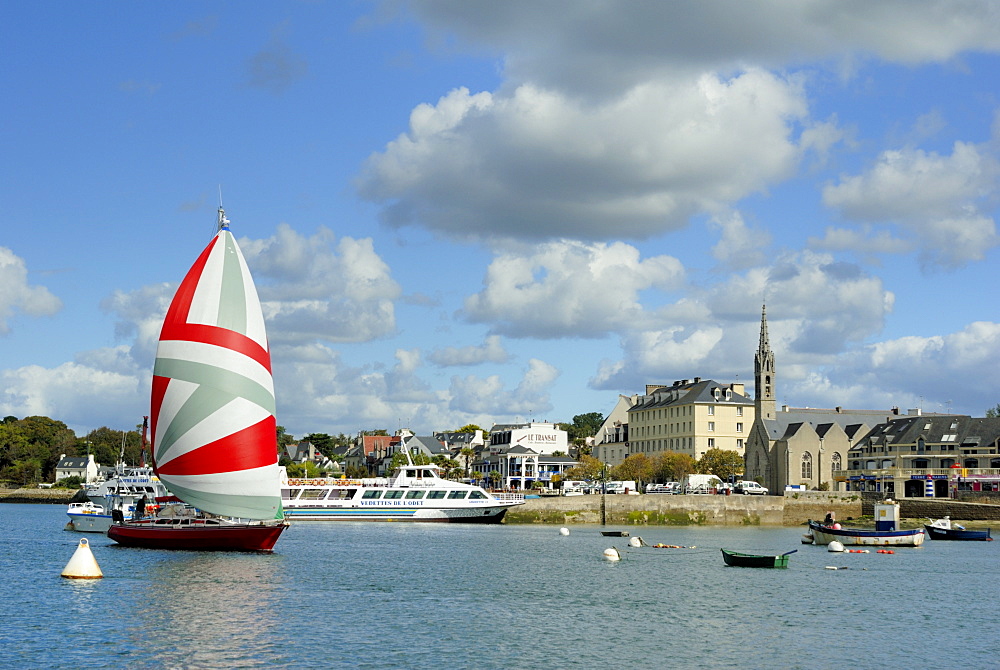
[606, 45]
[319, 288]
[739, 246]
[113, 388]
[477, 395]
[20, 296]
[817, 308]
[535, 163]
[491, 351]
[934, 198]
[565, 289]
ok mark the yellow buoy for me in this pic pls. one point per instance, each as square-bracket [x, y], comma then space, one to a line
[82, 565]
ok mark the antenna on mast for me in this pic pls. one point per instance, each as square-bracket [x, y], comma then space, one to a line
[223, 222]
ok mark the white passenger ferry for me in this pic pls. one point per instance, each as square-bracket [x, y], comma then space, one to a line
[413, 493]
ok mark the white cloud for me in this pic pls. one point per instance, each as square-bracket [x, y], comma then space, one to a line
[20, 296]
[476, 395]
[322, 289]
[934, 198]
[491, 351]
[113, 388]
[609, 45]
[632, 166]
[739, 246]
[569, 289]
[817, 309]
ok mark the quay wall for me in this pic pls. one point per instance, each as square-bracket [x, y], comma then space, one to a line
[686, 510]
[935, 508]
[44, 496]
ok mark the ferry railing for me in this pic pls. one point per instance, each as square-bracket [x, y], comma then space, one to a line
[509, 497]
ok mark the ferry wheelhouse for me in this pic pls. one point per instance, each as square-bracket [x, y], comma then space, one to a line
[413, 493]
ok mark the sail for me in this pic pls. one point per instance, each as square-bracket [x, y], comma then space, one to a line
[214, 439]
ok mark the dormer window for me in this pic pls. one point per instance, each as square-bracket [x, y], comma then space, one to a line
[716, 393]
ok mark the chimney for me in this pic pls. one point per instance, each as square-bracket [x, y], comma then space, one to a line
[697, 379]
[738, 388]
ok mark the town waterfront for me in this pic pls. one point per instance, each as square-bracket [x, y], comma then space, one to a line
[395, 595]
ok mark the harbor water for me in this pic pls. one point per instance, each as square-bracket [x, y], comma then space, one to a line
[395, 595]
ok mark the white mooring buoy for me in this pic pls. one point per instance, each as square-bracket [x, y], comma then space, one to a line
[635, 541]
[564, 531]
[611, 554]
[835, 546]
[82, 565]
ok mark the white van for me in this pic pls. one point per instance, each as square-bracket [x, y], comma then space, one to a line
[573, 487]
[700, 483]
[621, 487]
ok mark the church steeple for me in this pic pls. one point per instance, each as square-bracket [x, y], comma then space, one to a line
[764, 373]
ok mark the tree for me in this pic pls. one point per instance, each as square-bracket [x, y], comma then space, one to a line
[637, 467]
[469, 428]
[993, 412]
[467, 453]
[495, 478]
[583, 426]
[587, 468]
[284, 439]
[671, 466]
[722, 463]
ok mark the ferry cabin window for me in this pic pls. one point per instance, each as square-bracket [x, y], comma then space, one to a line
[427, 473]
[393, 495]
[414, 495]
[477, 495]
[288, 494]
[313, 494]
[456, 495]
[371, 494]
[435, 495]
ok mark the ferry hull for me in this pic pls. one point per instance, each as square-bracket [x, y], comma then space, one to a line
[854, 536]
[195, 537]
[472, 515]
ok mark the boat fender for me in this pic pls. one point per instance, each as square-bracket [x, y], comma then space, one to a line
[82, 565]
[564, 531]
[612, 554]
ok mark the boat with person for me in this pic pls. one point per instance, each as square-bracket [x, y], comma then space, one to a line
[944, 529]
[741, 560]
[412, 493]
[213, 425]
[885, 533]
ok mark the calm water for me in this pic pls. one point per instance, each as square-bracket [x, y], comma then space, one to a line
[345, 595]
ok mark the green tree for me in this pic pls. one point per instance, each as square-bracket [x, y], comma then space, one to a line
[583, 426]
[587, 468]
[671, 466]
[467, 453]
[469, 428]
[304, 470]
[495, 478]
[722, 463]
[637, 467]
[284, 439]
[993, 412]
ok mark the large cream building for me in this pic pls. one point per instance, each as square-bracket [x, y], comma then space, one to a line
[690, 417]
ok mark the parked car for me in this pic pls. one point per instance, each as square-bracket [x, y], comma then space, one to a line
[668, 487]
[748, 488]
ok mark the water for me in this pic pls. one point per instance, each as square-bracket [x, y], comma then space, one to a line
[385, 595]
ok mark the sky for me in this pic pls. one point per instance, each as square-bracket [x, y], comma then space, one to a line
[461, 211]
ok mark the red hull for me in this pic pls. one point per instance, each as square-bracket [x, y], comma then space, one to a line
[197, 537]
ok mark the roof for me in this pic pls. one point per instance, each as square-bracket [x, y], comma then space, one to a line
[790, 420]
[956, 429]
[73, 463]
[703, 391]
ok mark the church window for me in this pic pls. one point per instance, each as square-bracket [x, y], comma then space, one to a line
[835, 461]
[807, 465]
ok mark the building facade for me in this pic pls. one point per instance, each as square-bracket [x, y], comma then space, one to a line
[611, 443]
[690, 417]
[926, 456]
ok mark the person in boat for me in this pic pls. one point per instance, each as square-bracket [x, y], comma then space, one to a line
[830, 519]
[140, 508]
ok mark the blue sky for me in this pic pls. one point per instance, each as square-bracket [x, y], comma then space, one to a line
[474, 212]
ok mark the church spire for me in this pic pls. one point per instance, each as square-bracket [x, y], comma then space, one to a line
[764, 372]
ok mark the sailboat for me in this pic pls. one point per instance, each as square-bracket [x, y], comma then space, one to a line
[212, 401]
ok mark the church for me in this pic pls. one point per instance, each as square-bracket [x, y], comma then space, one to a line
[793, 446]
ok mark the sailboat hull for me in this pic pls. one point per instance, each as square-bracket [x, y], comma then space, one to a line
[198, 536]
